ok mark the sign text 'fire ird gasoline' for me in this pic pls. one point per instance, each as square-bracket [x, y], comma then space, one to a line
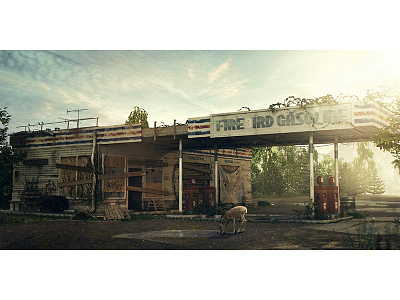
[284, 120]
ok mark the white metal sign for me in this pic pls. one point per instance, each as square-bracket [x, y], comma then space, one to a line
[282, 120]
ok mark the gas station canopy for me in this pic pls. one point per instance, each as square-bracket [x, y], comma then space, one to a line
[348, 122]
[320, 124]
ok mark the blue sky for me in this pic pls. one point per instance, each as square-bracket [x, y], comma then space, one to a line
[40, 86]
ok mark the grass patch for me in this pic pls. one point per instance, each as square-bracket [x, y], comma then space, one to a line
[25, 218]
[355, 215]
[84, 216]
[141, 217]
[369, 238]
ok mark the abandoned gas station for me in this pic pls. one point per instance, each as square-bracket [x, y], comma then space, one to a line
[206, 161]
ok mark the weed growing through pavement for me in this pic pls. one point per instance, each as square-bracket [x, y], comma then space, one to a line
[309, 212]
[25, 218]
[369, 238]
[141, 217]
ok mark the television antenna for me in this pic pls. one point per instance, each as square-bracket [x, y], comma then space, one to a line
[77, 110]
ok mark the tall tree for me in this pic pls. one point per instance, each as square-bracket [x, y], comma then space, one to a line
[138, 116]
[388, 138]
[8, 158]
[365, 167]
[280, 170]
[376, 186]
[324, 167]
[361, 175]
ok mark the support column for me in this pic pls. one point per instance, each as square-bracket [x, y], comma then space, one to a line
[336, 150]
[92, 159]
[216, 175]
[310, 149]
[180, 175]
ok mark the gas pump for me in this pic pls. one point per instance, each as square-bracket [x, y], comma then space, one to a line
[209, 196]
[326, 197]
[333, 197]
[191, 196]
[321, 198]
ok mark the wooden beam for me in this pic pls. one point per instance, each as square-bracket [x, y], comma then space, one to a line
[101, 177]
[36, 162]
[156, 163]
[197, 169]
[75, 182]
[74, 168]
[121, 175]
[188, 176]
[145, 190]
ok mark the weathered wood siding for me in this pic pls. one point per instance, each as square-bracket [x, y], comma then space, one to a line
[204, 160]
[45, 173]
[197, 164]
[114, 188]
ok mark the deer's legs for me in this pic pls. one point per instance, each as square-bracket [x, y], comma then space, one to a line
[243, 223]
[225, 225]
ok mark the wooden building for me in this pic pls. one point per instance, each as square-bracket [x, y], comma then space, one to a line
[133, 168]
[140, 168]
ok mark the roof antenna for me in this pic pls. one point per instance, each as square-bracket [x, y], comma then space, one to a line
[77, 110]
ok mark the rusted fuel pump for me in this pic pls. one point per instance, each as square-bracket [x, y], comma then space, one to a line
[191, 196]
[326, 197]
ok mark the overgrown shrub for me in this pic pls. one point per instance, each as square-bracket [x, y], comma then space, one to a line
[355, 215]
[81, 216]
[141, 217]
[264, 203]
[309, 212]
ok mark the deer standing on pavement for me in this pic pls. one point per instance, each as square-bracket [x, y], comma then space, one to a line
[231, 215]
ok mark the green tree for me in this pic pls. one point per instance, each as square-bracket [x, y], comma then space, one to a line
[280, 171]
[8, 158]
[376, 186]
[138, 116]
[325, 168]
[348, 179]
[267, 178]
[361, 175]
[388, 138]
[365, 167]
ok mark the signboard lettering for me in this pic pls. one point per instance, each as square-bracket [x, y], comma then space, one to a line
[282, 120]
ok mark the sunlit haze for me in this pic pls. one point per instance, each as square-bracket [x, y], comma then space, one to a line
[40, 86]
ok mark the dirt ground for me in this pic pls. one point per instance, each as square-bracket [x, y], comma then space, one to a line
[69, 234]
[66, 234]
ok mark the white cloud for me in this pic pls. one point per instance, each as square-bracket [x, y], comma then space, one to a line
[111, 83]
[218, 71]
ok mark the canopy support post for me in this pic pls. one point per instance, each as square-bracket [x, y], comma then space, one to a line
[311, 151]
[336, 150]
[180, 175]
[216, 175]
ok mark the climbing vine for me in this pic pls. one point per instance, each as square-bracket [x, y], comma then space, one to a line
[174, 185]
[304, 102]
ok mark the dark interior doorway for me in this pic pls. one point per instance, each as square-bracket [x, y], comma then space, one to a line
[135, 199]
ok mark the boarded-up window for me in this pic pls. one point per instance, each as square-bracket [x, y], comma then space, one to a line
[84, 190]
[114, 188]
[81, 191]
[68, 175]
[153, 178]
